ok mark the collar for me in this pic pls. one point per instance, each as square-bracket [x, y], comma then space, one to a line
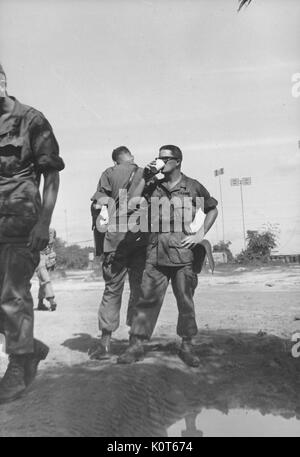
[126, 164]
[182, 184]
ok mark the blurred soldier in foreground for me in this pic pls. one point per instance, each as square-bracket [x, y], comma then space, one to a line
[171, 254]
[47, 264]
[28, 149]
[124, 251]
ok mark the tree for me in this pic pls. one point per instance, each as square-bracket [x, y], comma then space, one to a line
[259, 244]
[71, 257]
[224, 247]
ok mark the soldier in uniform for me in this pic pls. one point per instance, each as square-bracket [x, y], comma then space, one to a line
[170, 257]
[28, 149]
[47, 264]
[124, 251]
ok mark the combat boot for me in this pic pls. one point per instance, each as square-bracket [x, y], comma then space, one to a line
[102, 351]
[40, 352]
[42, 307]
[53, 304]
[134, 352]
[12, 384]
[186, 354]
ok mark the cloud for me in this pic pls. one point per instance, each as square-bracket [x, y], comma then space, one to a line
[288, 162]
[250, 143]
[267, 68]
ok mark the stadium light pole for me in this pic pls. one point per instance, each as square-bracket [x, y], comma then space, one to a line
[242, 182]
[220, 172]
[243, 213]
[66, 226]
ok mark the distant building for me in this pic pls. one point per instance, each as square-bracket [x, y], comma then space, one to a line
[91, 261]
[220, 257]
[285, 258]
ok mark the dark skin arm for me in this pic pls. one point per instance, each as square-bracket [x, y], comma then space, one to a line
[139, 190]
[39, 236]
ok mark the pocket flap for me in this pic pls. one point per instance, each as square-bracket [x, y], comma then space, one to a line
[175, 240]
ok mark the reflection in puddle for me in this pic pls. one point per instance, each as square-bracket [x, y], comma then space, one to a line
[237, 423]
[2, 346]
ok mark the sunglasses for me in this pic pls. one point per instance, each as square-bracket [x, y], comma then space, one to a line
[165, 159]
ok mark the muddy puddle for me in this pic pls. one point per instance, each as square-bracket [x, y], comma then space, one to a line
[237, 423]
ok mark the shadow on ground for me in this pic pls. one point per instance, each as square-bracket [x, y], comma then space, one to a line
[238, 370]
[82, 342]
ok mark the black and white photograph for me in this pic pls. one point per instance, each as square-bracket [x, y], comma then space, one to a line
[150, 221]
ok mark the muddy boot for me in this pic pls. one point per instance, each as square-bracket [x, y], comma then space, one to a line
[103, 350]
[186, 354]
[12, 384]
[32, 361]
[134, 353]
[42, 307]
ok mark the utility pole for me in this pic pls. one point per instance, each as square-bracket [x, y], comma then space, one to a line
[243, 213]
[220, 172]
[242, 182]
[66, 227]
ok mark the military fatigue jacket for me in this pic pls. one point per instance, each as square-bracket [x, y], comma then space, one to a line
[168, 223]
[28, 148]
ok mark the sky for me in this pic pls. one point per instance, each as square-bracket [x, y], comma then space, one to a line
[146, 73]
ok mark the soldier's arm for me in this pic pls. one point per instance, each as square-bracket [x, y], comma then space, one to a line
[209, 207]
[103, 191]
[147, 182]
[142, 193]
[48, 163]
[211, 214]
[39, 237]
[210, 219]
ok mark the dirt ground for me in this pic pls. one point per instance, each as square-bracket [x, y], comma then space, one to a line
[246, 321]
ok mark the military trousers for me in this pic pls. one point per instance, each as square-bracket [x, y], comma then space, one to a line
[17, 266]
[115, 267]
[154, 286]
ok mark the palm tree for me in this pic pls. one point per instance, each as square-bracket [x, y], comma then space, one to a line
[244, 3]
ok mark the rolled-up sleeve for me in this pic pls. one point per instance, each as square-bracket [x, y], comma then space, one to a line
[209, 201]
[44, 145]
